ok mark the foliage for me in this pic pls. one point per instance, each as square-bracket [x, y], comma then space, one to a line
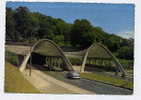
[125, 52]
[24, 22]
[127, 64]
[75, 61]
[15, 82]
[11, 57]
[58, 39]
[11, 33]
[26, 26]
[81, 33]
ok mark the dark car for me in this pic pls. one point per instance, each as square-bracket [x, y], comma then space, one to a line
[73, 75]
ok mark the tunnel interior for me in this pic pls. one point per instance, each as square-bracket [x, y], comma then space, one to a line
[47, 63]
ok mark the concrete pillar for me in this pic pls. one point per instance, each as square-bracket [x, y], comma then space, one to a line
[23, 65]
[84, 62]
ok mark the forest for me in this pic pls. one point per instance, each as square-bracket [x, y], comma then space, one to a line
[22, 25]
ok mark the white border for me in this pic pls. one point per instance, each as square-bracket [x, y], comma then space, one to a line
[84, 1]
[137, 65]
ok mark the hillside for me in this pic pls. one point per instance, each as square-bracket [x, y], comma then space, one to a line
[15, 82]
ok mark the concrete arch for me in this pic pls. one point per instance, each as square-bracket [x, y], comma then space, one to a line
[103, 52]
[48, 48]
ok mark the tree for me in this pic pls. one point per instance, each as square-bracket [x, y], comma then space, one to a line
[11, 33]
[101, 36]
[81, 33]
[125, 52]
[24, 22]
[114, 42]
[59, 39]
[21, 24]
[63, 28]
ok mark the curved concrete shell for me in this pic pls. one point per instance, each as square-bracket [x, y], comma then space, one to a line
[47, 48]
[98, 50]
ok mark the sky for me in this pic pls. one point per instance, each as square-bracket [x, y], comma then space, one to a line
[113, 18]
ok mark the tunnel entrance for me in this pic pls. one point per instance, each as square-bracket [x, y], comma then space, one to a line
[47, 63]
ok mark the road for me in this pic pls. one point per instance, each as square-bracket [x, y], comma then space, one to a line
[101, 88]
[47, 84]
[91, 85]
[87, 85]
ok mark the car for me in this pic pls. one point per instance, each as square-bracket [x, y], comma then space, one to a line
[73, 75]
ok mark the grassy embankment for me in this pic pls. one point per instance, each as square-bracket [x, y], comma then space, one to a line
[15, 82]
[107, 79]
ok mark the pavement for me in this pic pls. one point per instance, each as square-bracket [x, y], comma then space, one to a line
[47, 84]
[91, 85]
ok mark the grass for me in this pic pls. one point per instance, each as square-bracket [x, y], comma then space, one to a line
[108, 80]
[15, 82]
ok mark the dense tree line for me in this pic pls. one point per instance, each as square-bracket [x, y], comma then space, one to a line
[25, 26]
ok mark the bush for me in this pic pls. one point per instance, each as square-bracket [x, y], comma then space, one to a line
[127, 64]
[11, 57]
[75, 61]
[125, 52]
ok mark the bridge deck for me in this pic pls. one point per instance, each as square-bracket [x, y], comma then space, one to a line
[23, 50]
[18, 49]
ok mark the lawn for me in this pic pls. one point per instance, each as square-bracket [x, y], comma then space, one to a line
[15, 82]
[107, 79]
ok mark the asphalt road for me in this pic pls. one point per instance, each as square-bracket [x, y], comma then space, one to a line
[91, 85]
[101, 88]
